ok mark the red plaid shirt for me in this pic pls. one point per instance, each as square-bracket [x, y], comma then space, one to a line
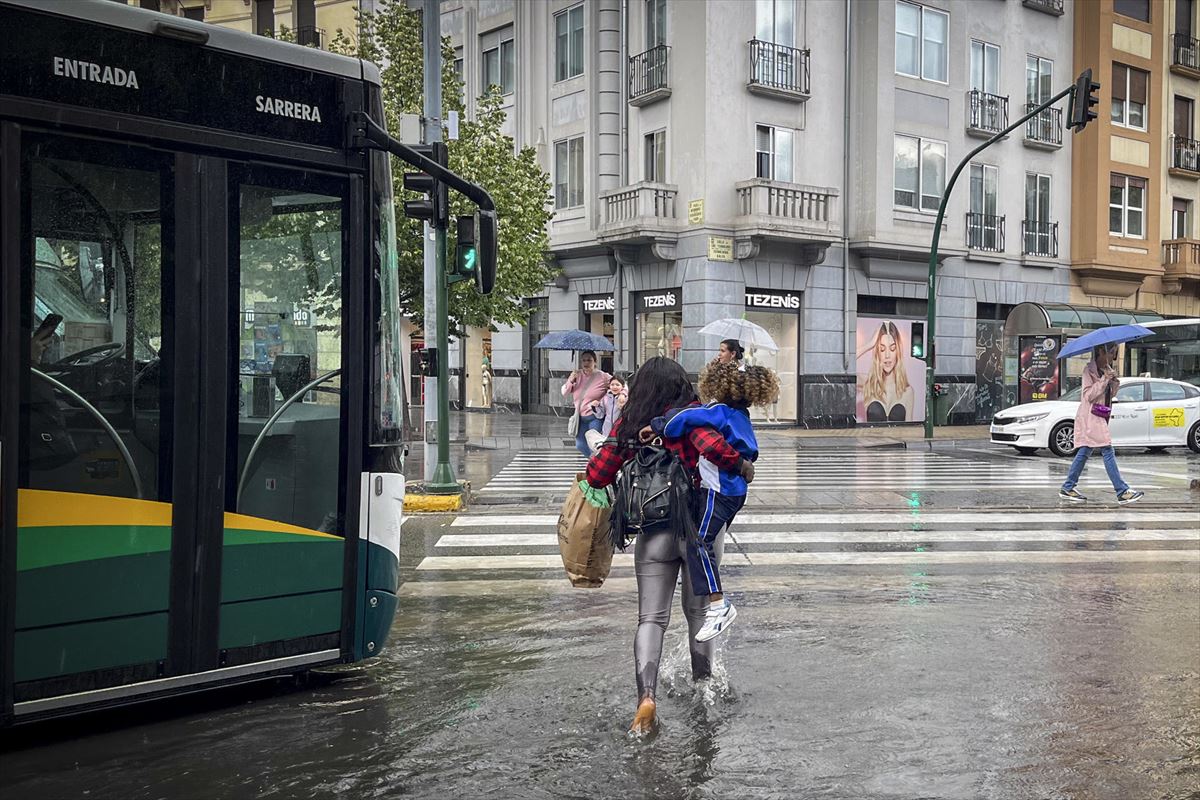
[603, 467]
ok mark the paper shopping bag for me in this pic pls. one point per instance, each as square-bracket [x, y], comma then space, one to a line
[584, 540]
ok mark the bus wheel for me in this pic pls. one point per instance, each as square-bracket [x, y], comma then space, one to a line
[1062, 439]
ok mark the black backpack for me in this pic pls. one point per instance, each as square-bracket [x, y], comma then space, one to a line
[653, 491]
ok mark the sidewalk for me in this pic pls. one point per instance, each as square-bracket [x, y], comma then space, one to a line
[504, 430]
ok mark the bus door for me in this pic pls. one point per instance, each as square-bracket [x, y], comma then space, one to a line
[283, 556]
[95, 399]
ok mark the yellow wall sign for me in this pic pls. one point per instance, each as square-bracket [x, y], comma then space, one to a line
[1168, 417]
[695, 211]
[720, 248]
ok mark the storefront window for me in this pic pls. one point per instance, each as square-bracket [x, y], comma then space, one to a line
[659, 324]
[779, 314]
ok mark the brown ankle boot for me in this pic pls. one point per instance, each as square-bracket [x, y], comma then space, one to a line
[643, 720]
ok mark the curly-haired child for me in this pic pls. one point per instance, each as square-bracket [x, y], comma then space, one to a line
[729, 390]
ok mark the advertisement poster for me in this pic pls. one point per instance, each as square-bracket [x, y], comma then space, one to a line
[1038, 366]
[891, 383]
[989, 368]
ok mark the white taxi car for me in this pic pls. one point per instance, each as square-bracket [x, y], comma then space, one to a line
[1146, 412]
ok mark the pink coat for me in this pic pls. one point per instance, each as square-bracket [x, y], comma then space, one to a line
[584, 390]
[1090, 430]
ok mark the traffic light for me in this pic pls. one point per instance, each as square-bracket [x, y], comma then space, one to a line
[918, 340]
[434, 208]
[1079, 110]
[475, 250]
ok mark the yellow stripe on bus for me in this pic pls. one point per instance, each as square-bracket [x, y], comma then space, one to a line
[245, 523]
[37, 508]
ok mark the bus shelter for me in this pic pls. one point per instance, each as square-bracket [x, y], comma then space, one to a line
[1033, 335]
[1172, 352]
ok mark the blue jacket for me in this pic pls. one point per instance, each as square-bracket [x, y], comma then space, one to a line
[732, 423]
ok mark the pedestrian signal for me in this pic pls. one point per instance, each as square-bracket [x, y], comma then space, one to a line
[475, 250]
[918, 340]
[1079, 109]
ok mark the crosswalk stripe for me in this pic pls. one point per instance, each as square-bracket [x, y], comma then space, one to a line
[855, 537]
[500, 563]
[1040, 518]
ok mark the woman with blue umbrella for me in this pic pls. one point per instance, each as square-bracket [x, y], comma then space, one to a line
[1100, 383]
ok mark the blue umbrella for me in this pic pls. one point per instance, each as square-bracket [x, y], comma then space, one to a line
[1114, 334]
[574, 340]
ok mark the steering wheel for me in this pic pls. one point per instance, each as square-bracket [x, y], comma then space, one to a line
[91, 357]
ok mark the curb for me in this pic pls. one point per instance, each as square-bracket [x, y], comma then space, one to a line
[417, 502]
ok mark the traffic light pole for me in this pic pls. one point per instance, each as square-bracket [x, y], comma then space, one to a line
[931, 315]
[434, 388]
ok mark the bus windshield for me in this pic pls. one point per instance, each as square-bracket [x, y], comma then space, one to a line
[389, 420]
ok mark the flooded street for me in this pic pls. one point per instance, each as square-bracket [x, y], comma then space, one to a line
[945, 682]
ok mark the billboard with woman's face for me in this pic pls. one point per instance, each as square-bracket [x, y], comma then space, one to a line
[891, 383]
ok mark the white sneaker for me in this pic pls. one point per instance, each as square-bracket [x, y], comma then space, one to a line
[717, 620]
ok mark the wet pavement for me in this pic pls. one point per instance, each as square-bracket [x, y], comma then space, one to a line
[958, 640]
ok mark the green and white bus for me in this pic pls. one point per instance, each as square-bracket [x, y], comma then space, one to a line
[201, 428]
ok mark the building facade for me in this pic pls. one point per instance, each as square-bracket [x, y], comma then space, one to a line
[311, 22]
[1137, 169]
[708, 162]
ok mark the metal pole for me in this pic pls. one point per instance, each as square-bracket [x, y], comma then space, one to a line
[931, 289]
[431, 20]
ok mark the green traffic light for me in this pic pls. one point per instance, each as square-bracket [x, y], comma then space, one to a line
[468, 260]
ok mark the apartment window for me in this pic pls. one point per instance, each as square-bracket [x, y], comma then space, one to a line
[1180, 214]
[262, 16]
[775, 22]
[920, 172]
[1134, 9]
[656, 23]
[773, 153]
[194, 12]
[1039, 80]
[1126, 206]
[499, 67]
[983, 224]
[656, 156]
[1129, 87]
[568, 43]
[985, 67]
[921, 35]
[1182, 124]
[568, 173]
[1037, 197]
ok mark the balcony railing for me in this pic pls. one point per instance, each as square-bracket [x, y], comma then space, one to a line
[985, 232]
[310, 36]
[1185, 51]
[1046, 128]
[649, 75]
[638, 211]
[1185, 154]
[786, 201]
[779, 70]
[1054, 7]
[1039, 238]
[1181, 259]
[986, 113]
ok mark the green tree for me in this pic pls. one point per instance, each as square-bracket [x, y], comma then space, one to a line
[391, 38]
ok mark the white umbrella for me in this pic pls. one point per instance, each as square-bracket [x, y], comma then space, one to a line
[746, 332]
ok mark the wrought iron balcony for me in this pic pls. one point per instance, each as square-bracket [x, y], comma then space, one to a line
[638, 213]
[1054, 7]
[1046, 129]
[778, 70]
[1185, 53]
[1181, 260]
[310, 36]
[987, 114]
[1039, 238]
[1185, 156]
[985, 232]
[650, 76]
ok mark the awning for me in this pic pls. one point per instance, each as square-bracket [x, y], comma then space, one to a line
[1038, 319]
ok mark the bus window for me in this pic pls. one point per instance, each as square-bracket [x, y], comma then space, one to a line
[289, 330]
[389, 420]
[94, 396]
